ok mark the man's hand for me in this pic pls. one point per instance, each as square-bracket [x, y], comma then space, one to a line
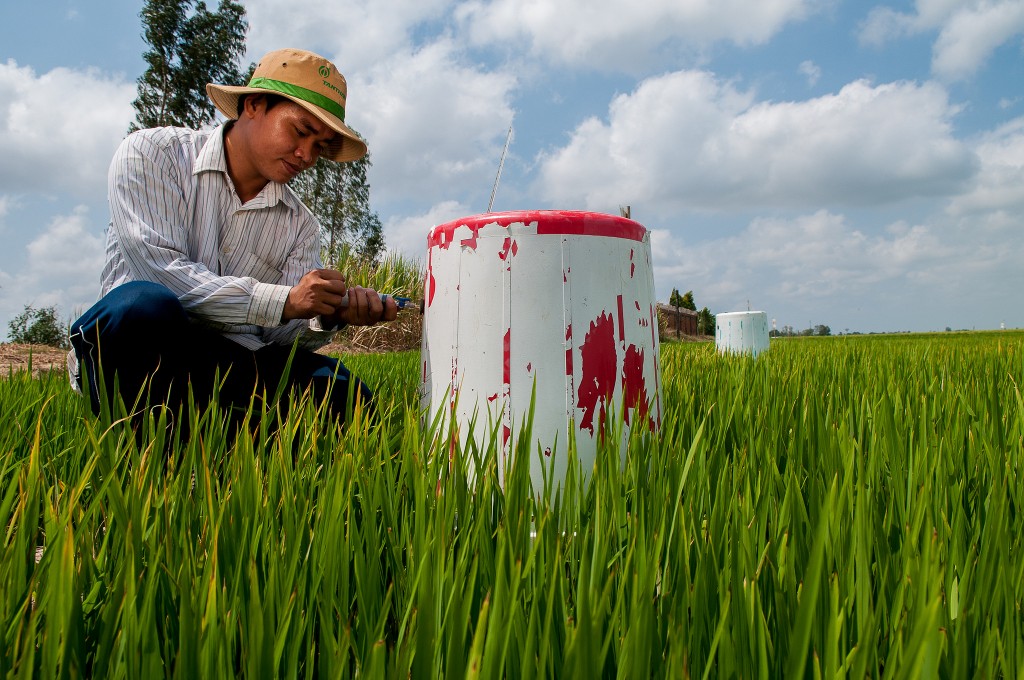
[365, 308]
[318, 293]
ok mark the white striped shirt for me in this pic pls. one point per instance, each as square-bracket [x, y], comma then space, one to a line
[176, 220]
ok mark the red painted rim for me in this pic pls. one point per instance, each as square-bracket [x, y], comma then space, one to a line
[549, 222]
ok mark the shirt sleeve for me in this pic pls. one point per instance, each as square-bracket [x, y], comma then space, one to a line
[149, 208]
[311, 333]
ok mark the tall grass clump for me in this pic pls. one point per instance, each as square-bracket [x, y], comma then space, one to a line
[395, 273]
[837, 507]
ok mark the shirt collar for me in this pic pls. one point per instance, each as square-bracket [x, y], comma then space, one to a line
[212, 158]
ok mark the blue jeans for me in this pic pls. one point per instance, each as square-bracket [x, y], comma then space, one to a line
[140, 333]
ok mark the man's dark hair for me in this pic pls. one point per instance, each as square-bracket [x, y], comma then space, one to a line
[272, 100]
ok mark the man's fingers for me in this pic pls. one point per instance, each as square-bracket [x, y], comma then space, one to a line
[359, 304]
[335, 300]
[390, 309]
[365, 307]
[318, 293]
[330, 274]
[334, 285]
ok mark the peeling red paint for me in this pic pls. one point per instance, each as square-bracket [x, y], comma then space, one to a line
[506, 432]
[622, 322]
[529, 367]
[554, 222]
[632, 265]
[509, 246]
[507, 349]
[597, 382]
[587, 224]
[443, 235]
[431, 284]
[441, 238]
[637, 303]
[471, 241]
[634, 387]
[492, 397]
[547, 451]
[568, 351]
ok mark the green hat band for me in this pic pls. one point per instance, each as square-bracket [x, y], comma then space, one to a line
[301, 93]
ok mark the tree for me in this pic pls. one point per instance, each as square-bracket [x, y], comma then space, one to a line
[38, 327]
[338, 194]
[189, 46]
[705, 322]
[684, 301]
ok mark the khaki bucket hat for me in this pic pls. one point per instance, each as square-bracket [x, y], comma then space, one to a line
[307, 79]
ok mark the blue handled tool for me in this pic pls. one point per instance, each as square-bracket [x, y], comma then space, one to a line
[402, 302]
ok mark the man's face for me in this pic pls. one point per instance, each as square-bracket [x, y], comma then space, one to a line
[287, 139]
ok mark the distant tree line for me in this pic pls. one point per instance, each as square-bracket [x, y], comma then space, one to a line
[789, 332]
[38, 327]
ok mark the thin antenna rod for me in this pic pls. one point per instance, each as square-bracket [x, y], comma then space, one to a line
[501, 164]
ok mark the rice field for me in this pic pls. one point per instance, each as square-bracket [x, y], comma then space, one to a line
[838, 507]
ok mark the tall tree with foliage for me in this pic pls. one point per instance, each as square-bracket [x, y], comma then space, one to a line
[189, 46]
[338, 194]
[705, 322]
[38, 327]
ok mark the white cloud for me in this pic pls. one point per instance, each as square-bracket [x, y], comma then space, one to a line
[811, 256]
[970, 36]
[623, 34]
[61, 268]
[969, 31]
[59, 129]
[434, 124]
[811, 71]
[818, 267]
[884, 24]
[999, 185]
[686, 140]
[355, 35]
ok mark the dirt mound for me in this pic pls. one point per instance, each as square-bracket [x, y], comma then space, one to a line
[402, 334]
[16, 357]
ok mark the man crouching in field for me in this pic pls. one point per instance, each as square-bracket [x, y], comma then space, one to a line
[213, 263]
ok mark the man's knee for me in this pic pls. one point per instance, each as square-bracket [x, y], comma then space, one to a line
[138, 307]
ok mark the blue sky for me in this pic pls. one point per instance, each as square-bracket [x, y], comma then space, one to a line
[853, 164]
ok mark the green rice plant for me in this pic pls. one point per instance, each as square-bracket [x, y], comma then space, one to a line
[836, 507]
[395, 274]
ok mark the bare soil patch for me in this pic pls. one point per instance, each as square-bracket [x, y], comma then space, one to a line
[402, 334]
[15, 357]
